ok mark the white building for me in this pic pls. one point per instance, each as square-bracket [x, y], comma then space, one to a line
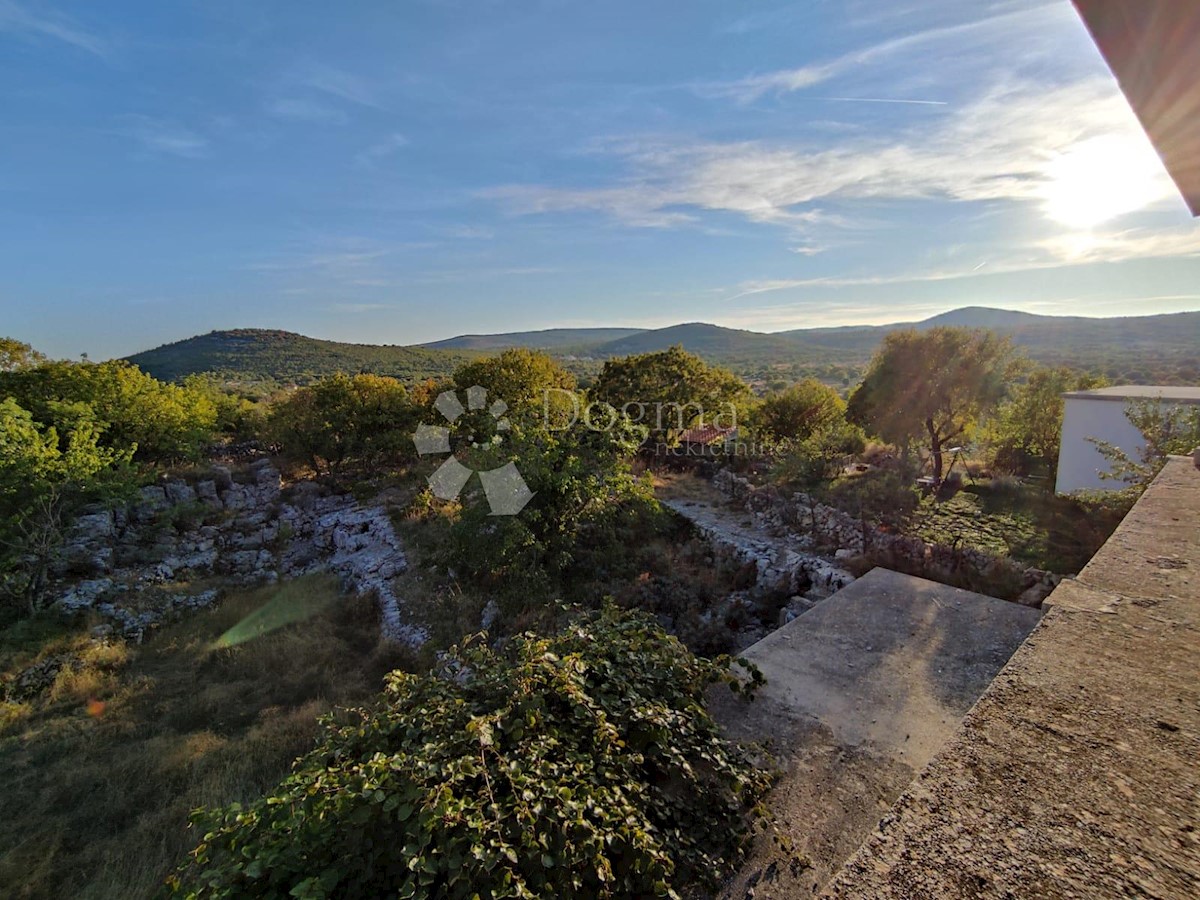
[1101, 414]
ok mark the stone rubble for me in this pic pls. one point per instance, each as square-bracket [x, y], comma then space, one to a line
[128, 563]
[773, 514]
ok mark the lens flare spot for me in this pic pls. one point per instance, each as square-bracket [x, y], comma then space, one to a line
[1101, 178]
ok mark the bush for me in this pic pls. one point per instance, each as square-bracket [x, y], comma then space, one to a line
[579, 765]
[797, 413]
[343, 420]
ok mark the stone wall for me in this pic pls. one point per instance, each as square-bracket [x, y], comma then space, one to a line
[774, 512]
[132, 565]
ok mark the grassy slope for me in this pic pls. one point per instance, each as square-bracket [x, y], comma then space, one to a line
[1033, 526]
[96, 803]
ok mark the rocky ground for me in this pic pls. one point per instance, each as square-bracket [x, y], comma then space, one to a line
[173, 549]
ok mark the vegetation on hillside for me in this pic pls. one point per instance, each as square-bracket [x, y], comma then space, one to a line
[281, 357]
[1140, 350]
[567, 752]
[932, 387]
[582, 764]
[103, 766]
[668, 391]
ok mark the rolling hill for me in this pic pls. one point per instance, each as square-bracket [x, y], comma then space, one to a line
[1163, 348]
[547, 339]
[253, 354]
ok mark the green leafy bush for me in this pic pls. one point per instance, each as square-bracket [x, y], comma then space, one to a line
[579, 765]
[157, 422]
[342, 420]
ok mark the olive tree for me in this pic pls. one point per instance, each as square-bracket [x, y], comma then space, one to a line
[932, 386]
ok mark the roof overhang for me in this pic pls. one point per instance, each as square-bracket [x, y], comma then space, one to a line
[1153, 48]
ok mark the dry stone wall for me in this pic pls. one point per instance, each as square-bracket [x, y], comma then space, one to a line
[774, 512]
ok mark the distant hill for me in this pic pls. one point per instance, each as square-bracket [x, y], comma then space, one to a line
[550, 338]
[986, 317]
[699, 338]
[253, 354]
[1133, 349]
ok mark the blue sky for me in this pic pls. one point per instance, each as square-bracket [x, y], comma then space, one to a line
[396, 172]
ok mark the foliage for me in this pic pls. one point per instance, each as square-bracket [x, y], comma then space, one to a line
[44, 480]
[253, 354]
[670, 390]
[98, 787]
[798, 412]
[343, 419]
[1166, 429]
[583, 764]
[821, 456]
[931, 384]
[587, 506]
[1027, 524]
[518, 376]
[237, 415]
[16, 355]
[1026, 429]
[159, 422]
[880, 496]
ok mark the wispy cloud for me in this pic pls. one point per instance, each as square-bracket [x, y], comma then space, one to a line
[161, 136]
[305, 110]
[885, 100]
[1078, 249]
[471, 232]
[18, 19]
[360, 307]
[337, 83]
[1002, 146]
[339, 262]
[381, 149]
[1023, 22]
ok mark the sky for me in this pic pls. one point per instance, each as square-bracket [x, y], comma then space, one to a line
[399, 172]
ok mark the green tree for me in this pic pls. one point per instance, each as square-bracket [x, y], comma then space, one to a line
[579, 765]
[44, 480]
[16, 355]
[518, 376]
[821, 457]
[1166, 429]
[343, 419]
[670, 390]
[798, 412]
[586, 507]
[932, 385]
[1027, 428]
[161, 421]
[236, 415]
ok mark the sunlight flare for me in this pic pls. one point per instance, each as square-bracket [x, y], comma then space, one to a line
[1101, 178]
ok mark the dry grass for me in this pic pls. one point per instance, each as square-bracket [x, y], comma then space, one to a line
[685, 486]
[103, 770]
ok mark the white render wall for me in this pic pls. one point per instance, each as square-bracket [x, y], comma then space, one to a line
[1079, 462]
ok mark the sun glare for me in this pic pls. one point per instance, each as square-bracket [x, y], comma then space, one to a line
[1101, 178]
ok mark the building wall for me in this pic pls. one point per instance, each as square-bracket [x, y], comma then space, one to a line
[1079, 462]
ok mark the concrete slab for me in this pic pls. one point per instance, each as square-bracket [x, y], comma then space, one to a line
[1077, 774]
[861, 692]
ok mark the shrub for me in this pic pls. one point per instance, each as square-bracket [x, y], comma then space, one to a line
[579, 765]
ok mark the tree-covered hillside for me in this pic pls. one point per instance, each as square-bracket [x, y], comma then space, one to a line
[1140, 349]
[254, 354]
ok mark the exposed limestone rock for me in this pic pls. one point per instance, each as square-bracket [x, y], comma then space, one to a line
[252, 536]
